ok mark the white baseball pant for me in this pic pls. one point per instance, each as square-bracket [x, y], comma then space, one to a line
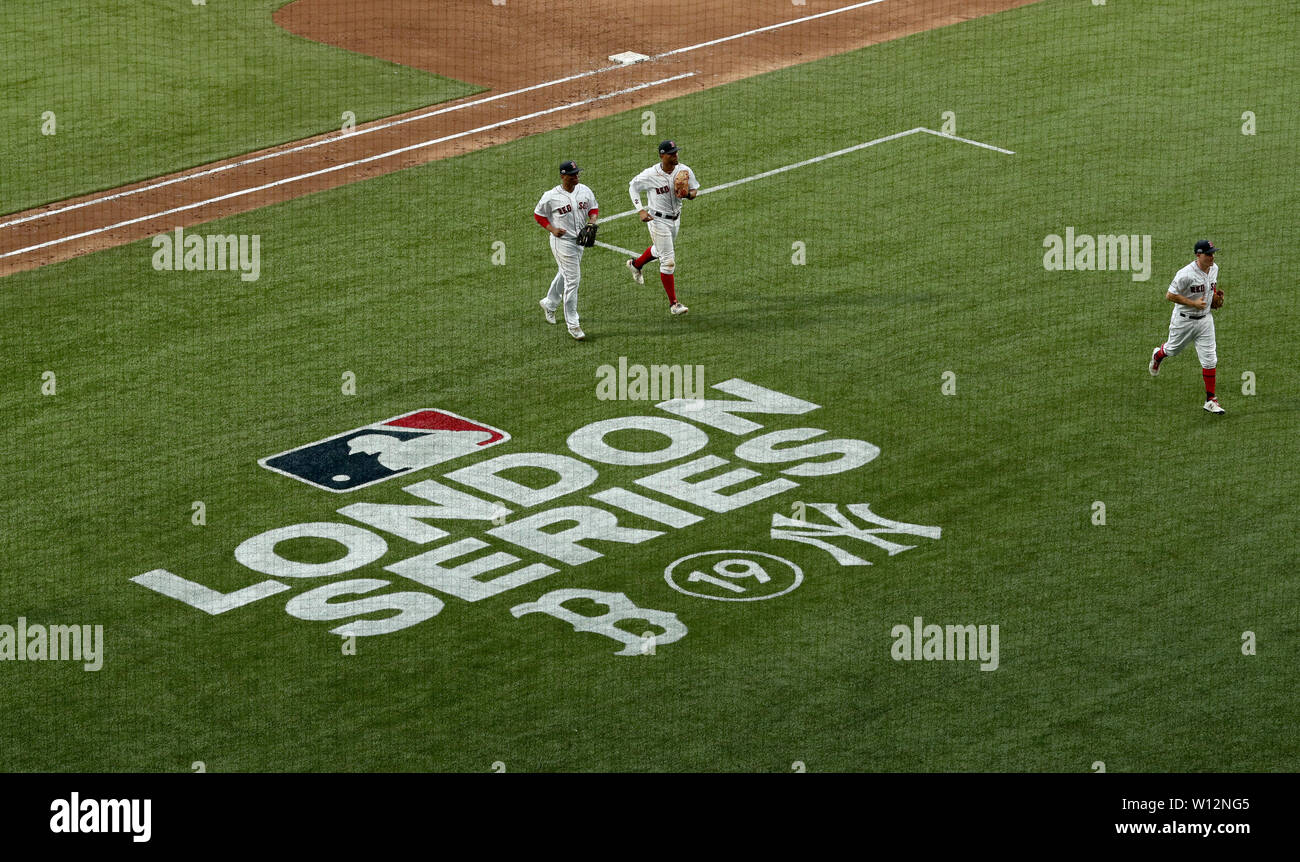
[1199, 332]
[663, 234]
[564, 287]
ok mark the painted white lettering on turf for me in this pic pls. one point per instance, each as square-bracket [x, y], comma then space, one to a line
[803, 530]
[363, 548]
[683, 439]
[204, 598]
[621, 608]
[462, 581]
[762, 450]
[399, 519]
[471, 569]
[630, 501]
[571, 475]
[315, 604]
[706, 493]
[589, 523]
[455, 505]
[719, 413]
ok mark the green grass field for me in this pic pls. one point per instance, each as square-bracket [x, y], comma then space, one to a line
[1119, 642]
[148, 87]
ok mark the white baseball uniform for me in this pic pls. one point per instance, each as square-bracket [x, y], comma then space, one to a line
[665, 210]
[1192, 324]
[567, 210]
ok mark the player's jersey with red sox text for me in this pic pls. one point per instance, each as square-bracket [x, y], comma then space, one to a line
[659, 188]
[567, 210]
[1191, 282]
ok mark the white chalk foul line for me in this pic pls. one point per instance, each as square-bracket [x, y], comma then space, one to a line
[343, 166]
[378, 127]
[966, 141]
[334, 139]
[778, 26]
[815, 159]
[626, 251]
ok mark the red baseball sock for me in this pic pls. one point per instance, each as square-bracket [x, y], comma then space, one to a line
[645, 258]
[1160, 354]
[667, 279]
[1208, 374]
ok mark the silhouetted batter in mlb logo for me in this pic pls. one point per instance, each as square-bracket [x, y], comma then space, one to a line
[403, 444]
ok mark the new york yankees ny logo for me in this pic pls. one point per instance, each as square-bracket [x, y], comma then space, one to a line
[840, 526]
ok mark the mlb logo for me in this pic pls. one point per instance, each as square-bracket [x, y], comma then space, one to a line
[394, 447]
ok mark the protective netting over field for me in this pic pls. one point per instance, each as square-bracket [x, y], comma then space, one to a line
[100, 94]
[271, 281]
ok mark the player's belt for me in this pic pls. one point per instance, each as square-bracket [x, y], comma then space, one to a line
[1191, 316]
[663, 215]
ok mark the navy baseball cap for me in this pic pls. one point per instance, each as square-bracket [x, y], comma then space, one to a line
[570, 168]
[667, 147]
[1204, 246]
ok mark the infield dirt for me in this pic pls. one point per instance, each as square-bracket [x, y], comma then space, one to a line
[478, 43]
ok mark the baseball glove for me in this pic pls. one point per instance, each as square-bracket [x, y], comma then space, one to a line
[1217, 302]
[682, 184]
[587, 236]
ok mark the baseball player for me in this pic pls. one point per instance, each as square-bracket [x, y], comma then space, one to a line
[564, 211]
[1194, 292]
[667, 184]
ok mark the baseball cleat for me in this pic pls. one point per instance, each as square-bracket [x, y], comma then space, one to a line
[678, 308]
[576, 332]
[637, 275]
[1212, 406]
[1154, 365]
[549, 312]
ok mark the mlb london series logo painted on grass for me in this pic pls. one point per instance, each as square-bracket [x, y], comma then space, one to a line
[373, 453]
[602, 496]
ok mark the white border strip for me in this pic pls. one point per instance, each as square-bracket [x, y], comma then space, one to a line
[365, 130]
[343, 166]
